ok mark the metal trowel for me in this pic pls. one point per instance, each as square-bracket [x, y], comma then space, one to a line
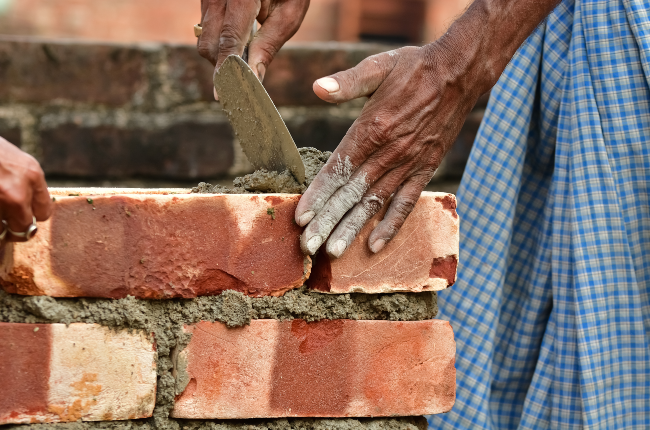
[260, 129]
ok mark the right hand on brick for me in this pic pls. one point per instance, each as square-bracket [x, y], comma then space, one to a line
[415, 111]
[23, 191]
[227, 25]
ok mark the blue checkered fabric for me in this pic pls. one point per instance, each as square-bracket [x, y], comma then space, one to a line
[551, 310]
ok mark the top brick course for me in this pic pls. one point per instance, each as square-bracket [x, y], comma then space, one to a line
[169, 244]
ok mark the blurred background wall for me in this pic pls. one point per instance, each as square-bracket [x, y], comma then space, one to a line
[390, 21]
[113, 93]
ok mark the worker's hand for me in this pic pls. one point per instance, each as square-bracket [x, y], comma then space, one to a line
[23, 191]
[227, 26]
[419, 99]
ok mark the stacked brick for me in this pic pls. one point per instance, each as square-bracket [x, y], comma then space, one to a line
[219, 255]
[101, 110]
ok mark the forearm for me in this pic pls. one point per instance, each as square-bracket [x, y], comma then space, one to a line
[482, 41]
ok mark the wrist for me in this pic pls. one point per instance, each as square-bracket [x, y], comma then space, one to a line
[480, 44]
[455, 60]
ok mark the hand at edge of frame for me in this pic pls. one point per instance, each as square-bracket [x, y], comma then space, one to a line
[23, 190]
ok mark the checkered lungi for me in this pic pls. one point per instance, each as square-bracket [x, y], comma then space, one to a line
[551, 309]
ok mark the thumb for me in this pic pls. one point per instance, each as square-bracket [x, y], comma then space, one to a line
[359, 81]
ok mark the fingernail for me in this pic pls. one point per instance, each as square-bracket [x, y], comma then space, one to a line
[304, 219]
[216, 96]
[328, 84]
[338, 248]
[261, 70]
[314, 243]
[378, 245]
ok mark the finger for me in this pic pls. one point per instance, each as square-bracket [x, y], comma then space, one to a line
[338, 205]
[17, 212]
[236, 29]
[212, 15]
[278, 27]
[332, 176]
[400, 207]
[341, 201]
[359, 81]
[357, 148]
[371, 203]
[41, 201]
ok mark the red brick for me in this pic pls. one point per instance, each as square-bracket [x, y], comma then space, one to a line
[57, 373]
[39, 71]
[160, 246]
[422, 257]
[338, 368]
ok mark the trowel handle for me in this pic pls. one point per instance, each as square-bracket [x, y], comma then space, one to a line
[250, 39]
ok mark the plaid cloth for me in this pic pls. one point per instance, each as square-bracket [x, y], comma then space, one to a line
[551, 309]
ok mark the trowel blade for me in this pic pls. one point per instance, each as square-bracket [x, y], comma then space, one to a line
[260, 129]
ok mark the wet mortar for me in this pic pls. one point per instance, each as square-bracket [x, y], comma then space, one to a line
[406, 423]
[165, 319]
[263, 181]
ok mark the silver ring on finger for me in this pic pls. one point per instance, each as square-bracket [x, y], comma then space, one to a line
[5, 229]
[28, 234]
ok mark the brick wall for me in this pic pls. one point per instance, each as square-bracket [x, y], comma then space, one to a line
[137, 310]
[119, 111]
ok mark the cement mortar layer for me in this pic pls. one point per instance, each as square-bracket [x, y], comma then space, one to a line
[166, 318]
[263, 181]
[406, 423]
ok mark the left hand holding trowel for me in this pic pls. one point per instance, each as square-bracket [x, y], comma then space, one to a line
[227, 26]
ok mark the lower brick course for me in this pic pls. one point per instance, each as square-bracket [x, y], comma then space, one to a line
[331, 368]
[54, 372]
[166, 318]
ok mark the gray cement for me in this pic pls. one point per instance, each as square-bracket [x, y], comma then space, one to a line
[166, 318]
[406, 423]
[263, 181]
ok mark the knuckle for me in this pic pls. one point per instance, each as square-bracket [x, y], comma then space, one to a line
[35, 172]
[12, 197]
[206, 49]
[403, 207]
[372, 204]
[228, 40]
[268, 51]
[379, 132]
